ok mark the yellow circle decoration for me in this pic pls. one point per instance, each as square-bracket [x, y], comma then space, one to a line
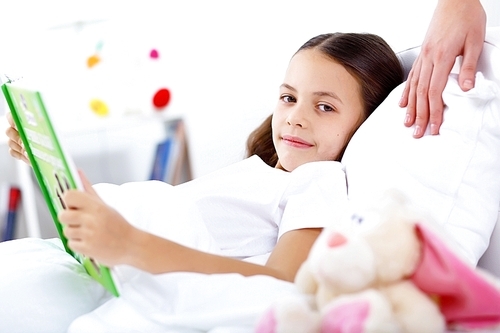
[99, 107]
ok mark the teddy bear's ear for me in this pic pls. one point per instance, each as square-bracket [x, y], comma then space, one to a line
[392, 199]
[472, 298]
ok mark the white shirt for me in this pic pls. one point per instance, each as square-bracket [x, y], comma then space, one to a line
[245, 206]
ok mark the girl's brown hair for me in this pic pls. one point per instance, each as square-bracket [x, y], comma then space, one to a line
[365, 56]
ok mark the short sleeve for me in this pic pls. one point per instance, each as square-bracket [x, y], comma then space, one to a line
[315, 197]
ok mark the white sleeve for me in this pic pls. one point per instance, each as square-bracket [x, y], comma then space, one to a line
[158, 208]
[315, 198]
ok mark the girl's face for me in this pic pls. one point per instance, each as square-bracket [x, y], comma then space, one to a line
[319, 108]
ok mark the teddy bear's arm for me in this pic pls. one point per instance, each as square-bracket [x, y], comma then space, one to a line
[415, 311]
[304, 280]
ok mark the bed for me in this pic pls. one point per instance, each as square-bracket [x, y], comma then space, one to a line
[460, 169]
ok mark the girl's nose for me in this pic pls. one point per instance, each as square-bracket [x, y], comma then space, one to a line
[296, 117]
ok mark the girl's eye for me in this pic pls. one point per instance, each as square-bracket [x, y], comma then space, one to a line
[288, 99]
[326, 108]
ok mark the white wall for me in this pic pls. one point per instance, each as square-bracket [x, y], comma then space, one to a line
[223, 60]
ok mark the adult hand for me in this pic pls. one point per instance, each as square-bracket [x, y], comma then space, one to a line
[16, 148]
[457, 28]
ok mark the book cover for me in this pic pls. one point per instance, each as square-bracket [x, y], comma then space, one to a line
[161, 160]
[171, 160]
[53, 168]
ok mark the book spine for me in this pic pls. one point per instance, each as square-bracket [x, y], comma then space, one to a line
[161, 160]
[10, 224]
[171, 160]
[182, 167]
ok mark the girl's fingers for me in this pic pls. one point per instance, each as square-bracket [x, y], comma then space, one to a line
[87, 186]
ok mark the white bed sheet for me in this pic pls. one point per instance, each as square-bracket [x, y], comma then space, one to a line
[186, 302]
[41, 282]
[46, 290]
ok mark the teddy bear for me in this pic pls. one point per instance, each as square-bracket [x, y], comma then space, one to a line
[385, 268]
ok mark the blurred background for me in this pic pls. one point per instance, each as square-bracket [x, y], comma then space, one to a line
[103, 68]
[221, 60]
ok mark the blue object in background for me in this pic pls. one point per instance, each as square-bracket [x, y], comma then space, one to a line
[161, 160]
[10, 224]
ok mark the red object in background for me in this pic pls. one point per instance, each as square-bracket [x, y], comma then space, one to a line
[161, 98]
[154, 54]
[14, 200]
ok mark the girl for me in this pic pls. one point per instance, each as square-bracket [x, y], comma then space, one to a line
[259, 216]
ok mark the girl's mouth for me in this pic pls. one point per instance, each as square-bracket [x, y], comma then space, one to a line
[295, 141]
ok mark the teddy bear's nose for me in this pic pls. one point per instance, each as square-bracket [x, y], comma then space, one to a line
[336, 239]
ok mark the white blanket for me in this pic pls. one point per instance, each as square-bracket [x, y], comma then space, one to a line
[186, 302]
[42, 283]
[42, 289]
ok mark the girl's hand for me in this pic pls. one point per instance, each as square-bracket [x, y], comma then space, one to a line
[93, 228]
[16, 147]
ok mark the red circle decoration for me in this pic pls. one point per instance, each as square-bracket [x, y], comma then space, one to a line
[161, 98]
[154, 54]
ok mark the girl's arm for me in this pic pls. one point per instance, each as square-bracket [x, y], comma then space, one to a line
[98, 231]
[158, 255]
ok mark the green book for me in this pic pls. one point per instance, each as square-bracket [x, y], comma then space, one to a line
[53, 168]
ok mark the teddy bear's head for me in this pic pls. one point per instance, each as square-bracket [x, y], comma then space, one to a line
[385, 268]
[357, 273]
[371, 246]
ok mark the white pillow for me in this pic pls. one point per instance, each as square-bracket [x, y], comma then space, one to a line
[42, 288]
[454, 176]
